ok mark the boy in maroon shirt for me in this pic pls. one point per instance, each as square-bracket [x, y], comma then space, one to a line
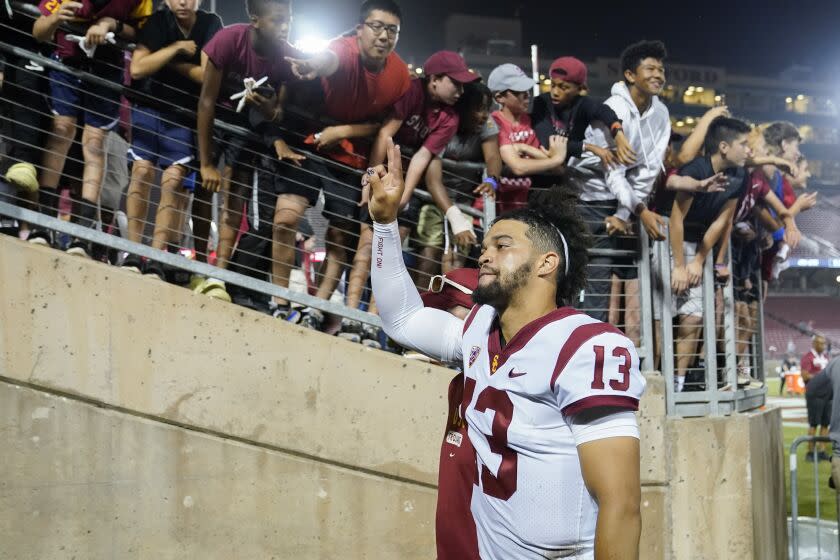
[249, 50]
[98, 106]
[423, 120]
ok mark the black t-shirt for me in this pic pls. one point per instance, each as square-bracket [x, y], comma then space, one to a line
[820, 386]
[706, 207]
[169, 87]
[572, 120]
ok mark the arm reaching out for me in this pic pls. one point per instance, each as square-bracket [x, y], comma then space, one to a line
[430, 331]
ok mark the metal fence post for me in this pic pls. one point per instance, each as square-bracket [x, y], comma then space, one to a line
[489, 211]
[758, 346]
[646, 301]
[729, 329]
[666, 323]
[709, 334]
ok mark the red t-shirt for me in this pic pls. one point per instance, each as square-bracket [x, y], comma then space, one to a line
[454, 524]
[230, 50]
[132, 12]
[757, 191]
[513, 191]
[425, 124]
[355, 94]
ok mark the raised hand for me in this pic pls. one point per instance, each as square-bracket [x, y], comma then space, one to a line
[386, 187]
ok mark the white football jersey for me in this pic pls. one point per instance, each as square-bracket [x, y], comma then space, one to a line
[530, 501]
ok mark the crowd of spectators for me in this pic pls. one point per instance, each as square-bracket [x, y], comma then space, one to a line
[316, 121]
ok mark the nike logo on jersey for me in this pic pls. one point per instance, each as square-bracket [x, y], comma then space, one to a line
[513, 373]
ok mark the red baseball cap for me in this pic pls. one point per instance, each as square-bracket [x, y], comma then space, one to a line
[451, 64]
[444, 295]
[569, 69]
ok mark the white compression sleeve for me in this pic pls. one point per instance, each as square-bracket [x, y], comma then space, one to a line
[614, 424]
[432, 332]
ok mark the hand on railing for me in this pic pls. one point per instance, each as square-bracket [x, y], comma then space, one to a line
[694, 273]
[285, 153]
[386, 186]
[722, 273]
[679, 280]
[653, 223]
[616, 226]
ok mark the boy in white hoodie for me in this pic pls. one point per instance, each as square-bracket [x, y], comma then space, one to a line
[609, 197]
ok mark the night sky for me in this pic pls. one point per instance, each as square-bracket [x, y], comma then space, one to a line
[745, 36]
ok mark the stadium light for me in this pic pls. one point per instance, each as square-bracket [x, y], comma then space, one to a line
[838, 279]
[312, 44]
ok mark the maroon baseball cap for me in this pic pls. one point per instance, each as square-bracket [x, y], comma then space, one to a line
[570, 69]
[450, 63]
[443, 295]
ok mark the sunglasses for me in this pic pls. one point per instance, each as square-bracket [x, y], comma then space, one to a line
[436, 284]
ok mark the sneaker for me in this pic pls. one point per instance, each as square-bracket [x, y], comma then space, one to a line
[823, 456]
[351, 330]
[213, 288]
[196, 280]
[313, 319]
[286, 313]
[132, 263]
[155, 270]
[371, 336]
[23, 176]
[40, 237]
[810, 456]
[79, 248]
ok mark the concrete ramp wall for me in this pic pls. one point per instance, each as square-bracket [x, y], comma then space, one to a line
[138, 420]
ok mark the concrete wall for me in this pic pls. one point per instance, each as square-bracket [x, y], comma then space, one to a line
[301, 414]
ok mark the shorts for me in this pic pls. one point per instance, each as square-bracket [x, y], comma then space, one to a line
[92, 104]
[236, 150]
[687, 303]
[430, 226]
[819, 410]
[626, 268]
[155, 138]
[341, 188]
[116, 177]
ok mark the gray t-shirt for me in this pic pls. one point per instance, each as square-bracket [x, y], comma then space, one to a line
[468, 148]
[833, 371]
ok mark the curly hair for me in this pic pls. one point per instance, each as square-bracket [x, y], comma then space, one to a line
[548, 213]
[633, 55]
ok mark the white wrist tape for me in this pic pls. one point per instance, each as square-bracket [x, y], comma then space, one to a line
[458, 221]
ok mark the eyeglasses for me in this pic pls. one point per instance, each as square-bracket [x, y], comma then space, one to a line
[378, 27]
[436, 284]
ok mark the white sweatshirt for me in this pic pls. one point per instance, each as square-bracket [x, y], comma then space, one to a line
[648, 135]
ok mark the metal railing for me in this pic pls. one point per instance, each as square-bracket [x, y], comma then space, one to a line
[715, 388]
[794, 495]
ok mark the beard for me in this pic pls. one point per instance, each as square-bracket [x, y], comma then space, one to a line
[499, 293]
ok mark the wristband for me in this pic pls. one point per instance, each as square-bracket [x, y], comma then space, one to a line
[720, 266]
[492, 182]
[779, 234]
[615, 128]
